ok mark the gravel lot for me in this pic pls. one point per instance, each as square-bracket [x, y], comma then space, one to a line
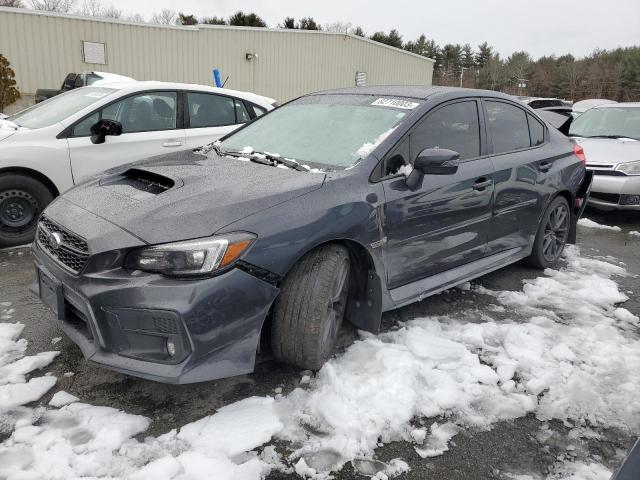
[508, 448]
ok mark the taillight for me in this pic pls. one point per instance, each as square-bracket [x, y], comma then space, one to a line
[578, 151]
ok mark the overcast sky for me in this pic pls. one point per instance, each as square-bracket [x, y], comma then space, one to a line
[541, 27]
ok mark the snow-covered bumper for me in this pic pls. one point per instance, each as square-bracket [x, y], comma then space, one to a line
[615, 192]
[148, 325]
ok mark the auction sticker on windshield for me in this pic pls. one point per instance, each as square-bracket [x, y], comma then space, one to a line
[394, 102]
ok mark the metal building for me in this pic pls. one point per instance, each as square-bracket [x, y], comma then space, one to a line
[283, 64]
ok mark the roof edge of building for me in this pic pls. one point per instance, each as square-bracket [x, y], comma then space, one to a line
[197, 27]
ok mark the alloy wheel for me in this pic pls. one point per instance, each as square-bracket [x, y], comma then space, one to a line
[556, 232]
[336, 307]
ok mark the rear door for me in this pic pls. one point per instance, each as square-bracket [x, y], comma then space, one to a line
[444, 223]
[209, 116]
[517, 140]
[151, 125]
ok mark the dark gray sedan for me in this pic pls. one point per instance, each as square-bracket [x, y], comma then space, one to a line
[339, 205]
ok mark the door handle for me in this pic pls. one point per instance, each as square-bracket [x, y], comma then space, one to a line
[544, 165]
[482, 183]
[172, 143]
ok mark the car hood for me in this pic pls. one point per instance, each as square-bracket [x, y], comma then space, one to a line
[188, 195]
[7, 129]
[609, 151]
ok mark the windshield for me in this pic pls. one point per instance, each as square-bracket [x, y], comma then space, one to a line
[59, 107]
[327, 130]
[608, 122]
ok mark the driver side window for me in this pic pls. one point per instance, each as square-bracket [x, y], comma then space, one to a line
[454, 126]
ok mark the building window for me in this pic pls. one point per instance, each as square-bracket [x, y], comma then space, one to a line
[93, 52]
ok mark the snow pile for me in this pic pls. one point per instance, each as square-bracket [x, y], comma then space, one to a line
[574, 356]
[634, 233]
[15, 390]
[585, 222]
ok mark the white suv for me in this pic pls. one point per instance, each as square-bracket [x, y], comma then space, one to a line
[52, 146]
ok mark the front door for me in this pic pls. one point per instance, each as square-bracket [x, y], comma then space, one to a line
[149, 128]
[443, 223]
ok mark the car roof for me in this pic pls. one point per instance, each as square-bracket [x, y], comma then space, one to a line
[132, 87]
[619, 104]
[420, 92]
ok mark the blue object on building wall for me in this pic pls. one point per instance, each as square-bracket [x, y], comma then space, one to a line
[217, 78]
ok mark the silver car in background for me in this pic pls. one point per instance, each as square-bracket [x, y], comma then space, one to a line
[610, 137]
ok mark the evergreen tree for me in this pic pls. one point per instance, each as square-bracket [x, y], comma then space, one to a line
[242, 19]
[289, 23]
[214, 21]
[8, 91]
[308, 23]
[184, 19]
[485, 53]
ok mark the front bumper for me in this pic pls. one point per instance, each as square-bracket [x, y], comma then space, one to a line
[615, 192]
[123, 320]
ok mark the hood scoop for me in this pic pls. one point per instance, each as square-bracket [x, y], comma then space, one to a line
[139, 183]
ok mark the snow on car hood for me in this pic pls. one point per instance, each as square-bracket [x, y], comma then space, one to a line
[609, 150]
[203, 194]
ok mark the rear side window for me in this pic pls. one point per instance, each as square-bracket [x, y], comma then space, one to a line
[536, 131]
[242, 115]
[508, 126]
[455, 127]
[146, 112]
[208, 110]
[259, 111]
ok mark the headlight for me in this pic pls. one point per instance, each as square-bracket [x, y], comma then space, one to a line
[203, 256]
[631, 168]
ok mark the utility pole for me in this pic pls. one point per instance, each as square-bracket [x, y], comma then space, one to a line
[462, 69]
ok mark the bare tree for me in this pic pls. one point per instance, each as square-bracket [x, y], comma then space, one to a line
[11, 3]
[111, 12]
[165, 17]
[60, 6]
[340, 27]
[136, 17]
[90, 8]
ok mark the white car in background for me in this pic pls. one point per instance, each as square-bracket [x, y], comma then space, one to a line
[609, 134]
[52, 146]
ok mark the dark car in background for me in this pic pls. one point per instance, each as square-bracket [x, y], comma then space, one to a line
[77, 80]
[339, 205]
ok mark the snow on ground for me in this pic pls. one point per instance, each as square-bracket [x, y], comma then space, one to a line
[585, 222]
[634, 233]
[566, 350]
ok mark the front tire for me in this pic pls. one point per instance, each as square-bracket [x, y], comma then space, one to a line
[22, 199]
[310, 308]
[552, 234]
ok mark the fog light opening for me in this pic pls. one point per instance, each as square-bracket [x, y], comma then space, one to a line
[171, 348]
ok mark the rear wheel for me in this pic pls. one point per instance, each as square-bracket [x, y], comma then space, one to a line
[22, 199]
[309, 310]
[552, 234]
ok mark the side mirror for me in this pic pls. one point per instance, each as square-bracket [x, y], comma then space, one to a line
[104, 127]
[433, 161]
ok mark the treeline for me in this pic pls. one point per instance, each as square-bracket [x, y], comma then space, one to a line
[613, 74]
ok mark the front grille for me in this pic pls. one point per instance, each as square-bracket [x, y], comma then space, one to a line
[606, 197]
[72, 250]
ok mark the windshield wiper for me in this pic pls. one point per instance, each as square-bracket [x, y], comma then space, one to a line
[262, 158]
